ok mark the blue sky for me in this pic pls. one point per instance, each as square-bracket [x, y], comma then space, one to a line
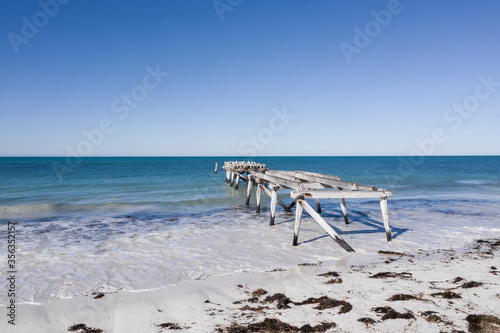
[249, 78]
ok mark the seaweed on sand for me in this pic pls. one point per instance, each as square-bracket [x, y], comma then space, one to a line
[326, 302]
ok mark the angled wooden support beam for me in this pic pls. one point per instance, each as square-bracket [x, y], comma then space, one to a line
[289, 208]
[336, 237]
[385, 216]
[266, 191]
[298, 217]
[285, 207]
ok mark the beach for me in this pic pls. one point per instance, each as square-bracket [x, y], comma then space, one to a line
[444, 290]
[156, 244]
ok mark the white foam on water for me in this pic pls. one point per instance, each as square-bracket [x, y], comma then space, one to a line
[67, 257]
[474, 182]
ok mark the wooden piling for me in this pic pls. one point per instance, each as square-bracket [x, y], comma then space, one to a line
[249, 189]
[257, 197]
[237, 181]
[343, 207]
[274, 197]
[344, 210]
[232, 179]
[216, 165]
[385, 216]
[298, 217]
[227, 176]
[318, 205]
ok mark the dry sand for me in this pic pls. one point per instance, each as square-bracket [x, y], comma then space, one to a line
[429, 291]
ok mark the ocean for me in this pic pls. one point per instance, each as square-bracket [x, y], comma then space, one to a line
[104, 224]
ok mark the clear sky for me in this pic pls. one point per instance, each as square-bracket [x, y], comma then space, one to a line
[249, 77]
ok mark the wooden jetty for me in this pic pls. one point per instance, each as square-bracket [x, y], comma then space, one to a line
[304, 185]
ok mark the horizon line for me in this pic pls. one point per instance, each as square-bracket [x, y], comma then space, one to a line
[246, 157]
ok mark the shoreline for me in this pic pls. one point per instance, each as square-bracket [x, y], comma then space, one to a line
[430, 290]
[71, 258]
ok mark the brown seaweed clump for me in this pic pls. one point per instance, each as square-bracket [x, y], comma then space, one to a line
[390, 313]
[329, 274]
[471, 284]
[99, 295]
[259, 292]
[319, 263]
[269, 325]
[367, 321]
[334, 281]
[326, 302]
[82, 328]
[392, 253]
[402, 297]
[480, 323]
[170, 326]
[447, 295]
[281, 299]
[385, 275]
[255, 309]
[431, 316]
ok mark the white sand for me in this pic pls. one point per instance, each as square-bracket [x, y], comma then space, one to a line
[207, 305]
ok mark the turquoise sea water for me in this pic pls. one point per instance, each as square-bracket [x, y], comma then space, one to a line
[104, 224]
[41, 187]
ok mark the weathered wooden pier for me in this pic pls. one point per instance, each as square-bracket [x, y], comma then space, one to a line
[304, 185]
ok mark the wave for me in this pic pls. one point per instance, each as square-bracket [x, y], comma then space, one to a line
[474, 182]
[43, 210]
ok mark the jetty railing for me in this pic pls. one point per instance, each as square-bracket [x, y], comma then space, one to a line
[304, 185]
